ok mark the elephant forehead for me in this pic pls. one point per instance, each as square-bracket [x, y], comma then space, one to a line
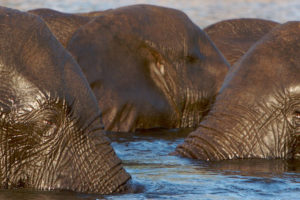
[162, 27]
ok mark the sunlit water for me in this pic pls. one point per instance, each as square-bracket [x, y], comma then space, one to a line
[155, 173]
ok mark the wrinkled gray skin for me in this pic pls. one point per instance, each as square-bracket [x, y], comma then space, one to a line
[235, 36]
[257, 113]
[51, 134]
[149, 67]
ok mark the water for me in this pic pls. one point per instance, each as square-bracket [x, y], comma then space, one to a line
[157, 175]
[168, 177]
[146, 155]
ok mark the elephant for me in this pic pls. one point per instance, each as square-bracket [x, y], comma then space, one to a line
[256, 113]
[63, 25]
[51, 132]
[149, 67]
[92, 13]
[235, 36]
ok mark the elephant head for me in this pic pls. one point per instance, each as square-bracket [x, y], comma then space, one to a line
[149, 67]
[51, 134]
[257, 113]
[235, 36]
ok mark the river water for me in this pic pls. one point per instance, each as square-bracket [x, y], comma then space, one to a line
[155, 173]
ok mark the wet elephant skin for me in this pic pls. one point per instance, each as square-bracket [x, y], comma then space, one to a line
[235, 36]
[257, 113]
[51, 134]
[149, 67]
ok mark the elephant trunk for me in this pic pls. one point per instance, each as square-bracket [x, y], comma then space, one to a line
[95, 168]
[215, 139]
[240, 132]
[196, 105]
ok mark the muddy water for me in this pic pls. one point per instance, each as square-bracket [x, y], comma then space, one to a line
[155, 173]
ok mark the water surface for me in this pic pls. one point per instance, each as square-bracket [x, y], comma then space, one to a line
[147, 159]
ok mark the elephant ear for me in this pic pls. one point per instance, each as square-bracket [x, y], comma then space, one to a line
[39, 58]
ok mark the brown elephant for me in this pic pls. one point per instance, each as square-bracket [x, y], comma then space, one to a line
[63, 25]
[51, 134]
[257, 113]
[235, 36]
[149, 67]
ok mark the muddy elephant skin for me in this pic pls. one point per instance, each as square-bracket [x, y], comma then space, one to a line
[51, 134]
[257, 113]
[234, 37]
[149, 67]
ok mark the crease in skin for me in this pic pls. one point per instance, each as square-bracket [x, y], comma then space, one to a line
[158, 74]
[189, 112]
[126, 113]
[195, 107]
[164, 82]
